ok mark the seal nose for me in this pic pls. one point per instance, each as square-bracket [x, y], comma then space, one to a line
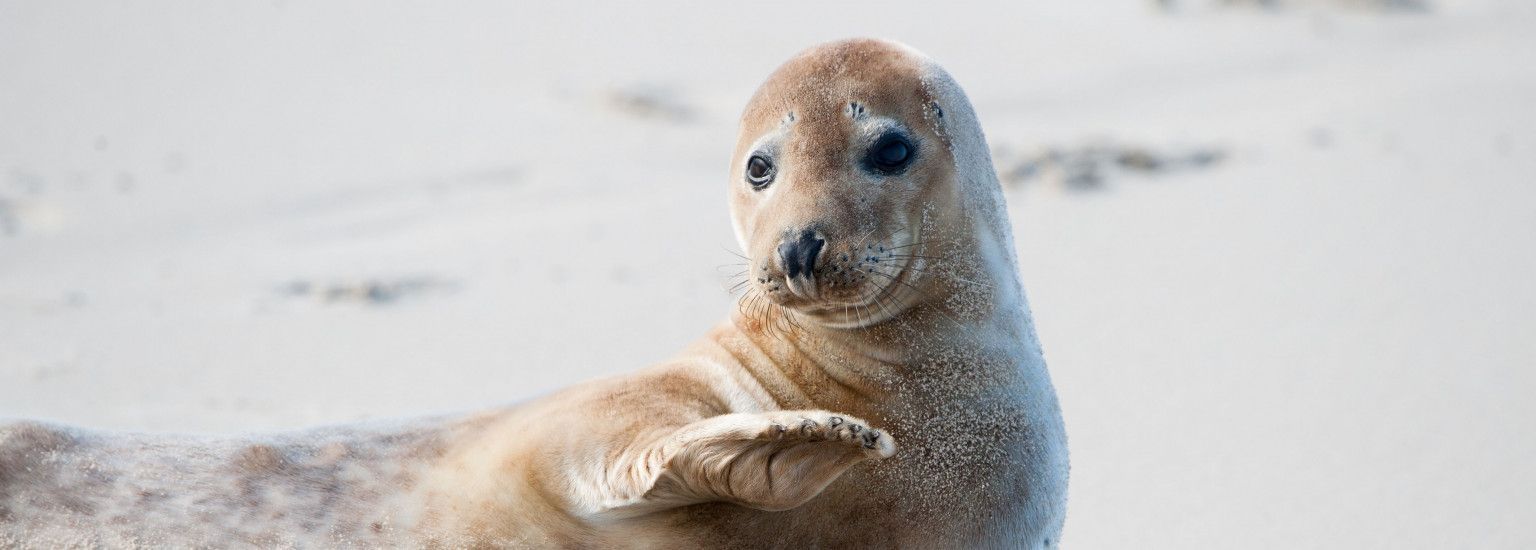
[798, 254]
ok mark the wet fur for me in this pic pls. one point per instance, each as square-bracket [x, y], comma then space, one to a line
[747, 439]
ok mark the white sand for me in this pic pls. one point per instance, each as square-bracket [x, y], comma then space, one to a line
[1326, 340]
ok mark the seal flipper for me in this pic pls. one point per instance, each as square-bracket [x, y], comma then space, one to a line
[768, 461]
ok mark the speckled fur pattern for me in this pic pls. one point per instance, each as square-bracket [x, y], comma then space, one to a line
[895, 395]
[352, 487]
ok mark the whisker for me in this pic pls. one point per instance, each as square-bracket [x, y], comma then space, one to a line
[789, 316]
[949, 275]
[881, 303]
[908, 245]
[741, 303]
[908, 256]
[896, 279]
[903, 227]
[864, 238]
[756, 308]
[736, 254]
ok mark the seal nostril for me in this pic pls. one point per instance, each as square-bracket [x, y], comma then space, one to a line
[813, 244]
[798, 256]
[788, 255]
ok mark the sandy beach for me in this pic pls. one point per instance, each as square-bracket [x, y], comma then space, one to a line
[1281, 259]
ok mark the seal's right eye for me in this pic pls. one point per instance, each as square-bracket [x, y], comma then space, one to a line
[890, 155]
[759, 172]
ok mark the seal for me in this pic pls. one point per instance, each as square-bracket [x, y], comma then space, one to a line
[880, 303]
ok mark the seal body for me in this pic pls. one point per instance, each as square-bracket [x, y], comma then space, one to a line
[880, 384]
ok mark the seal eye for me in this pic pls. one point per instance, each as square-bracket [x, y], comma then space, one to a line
[759, 172]
[890, 155]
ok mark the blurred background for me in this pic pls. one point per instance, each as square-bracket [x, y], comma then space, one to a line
[1280, 253]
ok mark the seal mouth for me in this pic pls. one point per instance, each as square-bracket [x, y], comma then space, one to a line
[805, 287]
[860, 287]
[882, 299]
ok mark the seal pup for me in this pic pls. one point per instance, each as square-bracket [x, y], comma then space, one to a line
[881, 304]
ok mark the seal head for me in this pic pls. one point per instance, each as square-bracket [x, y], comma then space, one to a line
[845, 180]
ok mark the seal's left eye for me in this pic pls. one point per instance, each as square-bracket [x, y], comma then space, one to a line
[759, 172]
[890, 155]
